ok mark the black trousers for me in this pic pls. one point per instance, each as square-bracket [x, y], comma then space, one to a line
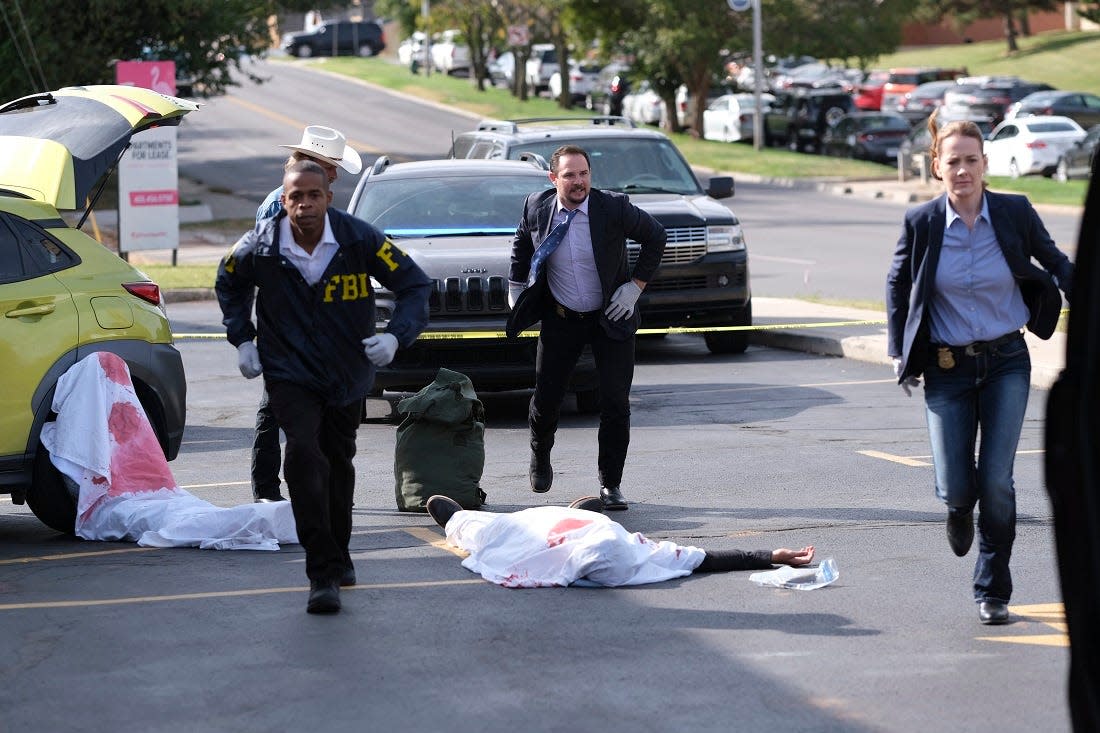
[267, 456]
[561, 342]
[320, 445]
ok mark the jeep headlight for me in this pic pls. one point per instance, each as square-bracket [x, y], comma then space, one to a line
[725, 238]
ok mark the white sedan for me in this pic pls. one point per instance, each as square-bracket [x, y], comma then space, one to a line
[1030, 145]
[643, 106]
[729, 118]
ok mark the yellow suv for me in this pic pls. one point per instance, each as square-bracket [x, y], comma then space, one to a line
[62, 294]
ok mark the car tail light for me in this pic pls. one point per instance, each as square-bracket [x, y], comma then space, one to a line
[1035, 145]
[147, 291]
[1045, 111]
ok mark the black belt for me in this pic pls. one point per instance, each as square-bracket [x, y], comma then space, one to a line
[979, 347]
[572, 315]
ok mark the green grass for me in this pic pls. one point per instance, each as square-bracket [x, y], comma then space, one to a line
[181, 276]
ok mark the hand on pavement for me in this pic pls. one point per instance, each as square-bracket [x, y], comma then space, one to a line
[380, 348]
[514, 290]
[248, 360]
[623, 301]
[908, 383]
[783, 556]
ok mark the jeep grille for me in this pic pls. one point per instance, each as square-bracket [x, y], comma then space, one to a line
[469, 295]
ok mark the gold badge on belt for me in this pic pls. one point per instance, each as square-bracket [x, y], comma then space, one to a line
[944, 358]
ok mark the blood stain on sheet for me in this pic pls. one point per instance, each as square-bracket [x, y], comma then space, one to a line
[137, 463]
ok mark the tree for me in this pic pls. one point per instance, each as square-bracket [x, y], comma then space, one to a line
[208, 38]
[965, 11]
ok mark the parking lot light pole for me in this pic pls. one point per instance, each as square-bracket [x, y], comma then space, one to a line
[757, 67]
[425, 10]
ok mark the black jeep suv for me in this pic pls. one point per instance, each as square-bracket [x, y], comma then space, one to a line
[704, 275]
[799, 119]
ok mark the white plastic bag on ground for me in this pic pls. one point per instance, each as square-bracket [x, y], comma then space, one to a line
[103, 441]
[800, 578]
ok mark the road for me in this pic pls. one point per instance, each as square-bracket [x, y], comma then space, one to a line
[766, 449]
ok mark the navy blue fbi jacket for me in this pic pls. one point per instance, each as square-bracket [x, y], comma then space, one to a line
[312, 335]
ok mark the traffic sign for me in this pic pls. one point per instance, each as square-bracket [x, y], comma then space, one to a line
[518, 35]
[739, 5]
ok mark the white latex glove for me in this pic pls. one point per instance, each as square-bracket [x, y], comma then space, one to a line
[908, 383]
[248, 360]
[514, 290]
[623, 301]
[380, 348]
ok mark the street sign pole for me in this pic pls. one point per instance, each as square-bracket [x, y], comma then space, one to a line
[758, 77]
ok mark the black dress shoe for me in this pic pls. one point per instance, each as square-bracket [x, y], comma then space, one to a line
[541, 473]
[324, 597]
[960, 530]
[441, 509]
[270, 499]
[993, 612]
[589, 504]
[348, 577]
[613, 500]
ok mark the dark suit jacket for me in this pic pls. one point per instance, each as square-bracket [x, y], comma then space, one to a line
[1021, 236]
[612, 219]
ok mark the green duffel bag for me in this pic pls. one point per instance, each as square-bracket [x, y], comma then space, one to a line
[440, 444]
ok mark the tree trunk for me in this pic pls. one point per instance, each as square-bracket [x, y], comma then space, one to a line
[1010, 32]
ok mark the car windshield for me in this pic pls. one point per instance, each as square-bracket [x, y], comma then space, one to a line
[447, 206]
[638, 165]
[884, 122]
[1051, 127]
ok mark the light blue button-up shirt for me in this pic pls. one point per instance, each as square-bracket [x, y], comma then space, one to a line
[572, 275]
[975, 297]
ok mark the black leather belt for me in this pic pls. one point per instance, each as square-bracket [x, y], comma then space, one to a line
[978, 347]
[572, 315]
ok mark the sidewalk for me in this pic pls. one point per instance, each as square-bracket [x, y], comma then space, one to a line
[858, 334]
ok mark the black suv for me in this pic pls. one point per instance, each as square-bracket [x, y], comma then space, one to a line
[798, 120]
[363, 38]
[704, 275]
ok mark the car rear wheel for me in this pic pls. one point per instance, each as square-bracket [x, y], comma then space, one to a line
[588, 401]
[305, 51]
[1013, 169]
[52, 495]
[366, 50]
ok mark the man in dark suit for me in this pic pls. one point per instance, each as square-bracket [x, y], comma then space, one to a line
[571, 272]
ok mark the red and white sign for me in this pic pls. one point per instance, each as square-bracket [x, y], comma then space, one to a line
[518, 35]
[148, 175]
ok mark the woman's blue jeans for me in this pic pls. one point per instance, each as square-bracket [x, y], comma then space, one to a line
[985, 393]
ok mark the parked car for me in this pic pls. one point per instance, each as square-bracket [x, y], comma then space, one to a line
[450, 54]
[1030, 145]
[904, 80]
[606, 95]
[988, 97]
[868, 94]
[337, 38]
[704, 275]
[923, 101]
[541, 65]
[799, 120]
[456, 219]
[918, 142]
[1081, 107]
[64, 295]
[685, 103]
[730, 118]
[1076, 160]
[874, 136]
[502, 70]
[643, 105]
[582, 77]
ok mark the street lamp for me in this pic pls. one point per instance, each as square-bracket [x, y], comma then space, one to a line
[757, 67]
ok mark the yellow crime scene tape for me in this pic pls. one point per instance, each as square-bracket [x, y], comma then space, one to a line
[492, 335]
[483, 335]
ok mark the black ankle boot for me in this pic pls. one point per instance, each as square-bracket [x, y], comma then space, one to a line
[541, 473]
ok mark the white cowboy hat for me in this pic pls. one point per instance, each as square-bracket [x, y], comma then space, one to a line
[328, 145]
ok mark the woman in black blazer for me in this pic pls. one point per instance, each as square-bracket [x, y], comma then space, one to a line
[961, 287]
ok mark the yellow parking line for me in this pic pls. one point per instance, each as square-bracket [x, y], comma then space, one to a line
[74, 555]
[893, 458]
[430, 537]
[227, 594]
[1048, 614]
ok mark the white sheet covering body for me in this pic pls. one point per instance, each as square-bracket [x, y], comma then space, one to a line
[558, 546]
[102, 440]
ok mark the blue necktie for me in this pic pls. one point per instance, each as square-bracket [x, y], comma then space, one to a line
[553, 239]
